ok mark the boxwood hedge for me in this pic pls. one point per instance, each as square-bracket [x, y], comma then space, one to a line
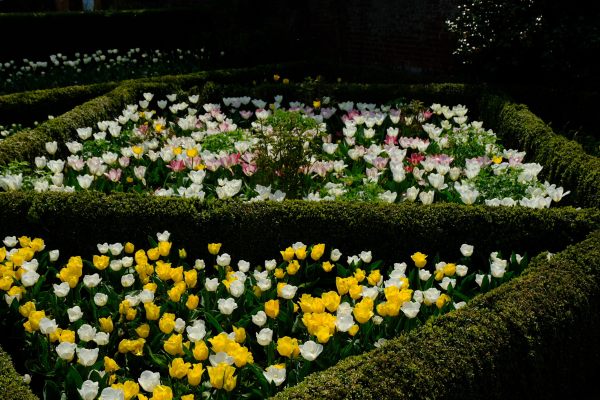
[77, 222]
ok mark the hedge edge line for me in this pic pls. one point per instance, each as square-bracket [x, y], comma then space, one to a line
[241, 226]
[504, 344]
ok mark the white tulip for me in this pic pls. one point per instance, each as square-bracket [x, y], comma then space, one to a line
[197, 331]
[223, 260]
[148, 380]
[260, 318]
[275, 374]
[66, 350]
[211, 284]
[87, 357]
[127, 280]
[61, 290]
[91, 281]
[112, 394]
[310, 350]
[100, 299]
[29, 278]
[74, 313]
[411, 308]
[89, 390]
[86, 332]
[226, 306]
[288, 291]
[48, 326]
[264, 337]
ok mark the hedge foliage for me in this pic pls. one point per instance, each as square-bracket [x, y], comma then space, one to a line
[534, 337]
[11, 383]
[565, 162]
[77, 222]
[37, 105]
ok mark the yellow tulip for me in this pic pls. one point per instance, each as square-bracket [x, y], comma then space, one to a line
[327, 266]
[293, 267]
[194, 375]
[153, 254]
[213, 248]
[191, 278]
[192, 302]
[374, 277]
[101, 262]
[167, 323]
[288, 347]
[200, 351]
[129, 248]
[419, 259]
[110, 365]
[24, 241]
[164, 248]
[162, 392]
[240, 334]
[449, 269]
[143, 330]
[179, 368]
[301, 253]
[26, 309]
[67, 336]
[288, 254]
[272, 308]
[152, 312]
[131, 389]
[331, 300]
[174, 345]
[106, 324]
[317, 251]
[221, 377]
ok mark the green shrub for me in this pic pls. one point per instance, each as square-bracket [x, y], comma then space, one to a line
[11, 383]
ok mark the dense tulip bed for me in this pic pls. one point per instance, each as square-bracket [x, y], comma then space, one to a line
[253, 150]
[149, 323]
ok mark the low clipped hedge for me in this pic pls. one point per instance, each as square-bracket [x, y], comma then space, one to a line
[11, 383]
[534, 337]
[77, 222]
[27, 107]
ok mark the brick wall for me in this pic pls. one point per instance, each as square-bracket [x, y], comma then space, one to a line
[407, 34]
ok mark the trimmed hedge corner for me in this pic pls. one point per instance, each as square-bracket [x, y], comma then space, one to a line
[565, 162]
[27, 107]
[11, 383]
[534, 337]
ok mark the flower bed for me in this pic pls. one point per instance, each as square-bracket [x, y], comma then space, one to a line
[6, 131]
[99, 66]
[399, 152]
[149, 317]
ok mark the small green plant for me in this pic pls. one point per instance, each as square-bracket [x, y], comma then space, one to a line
[286, 147]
